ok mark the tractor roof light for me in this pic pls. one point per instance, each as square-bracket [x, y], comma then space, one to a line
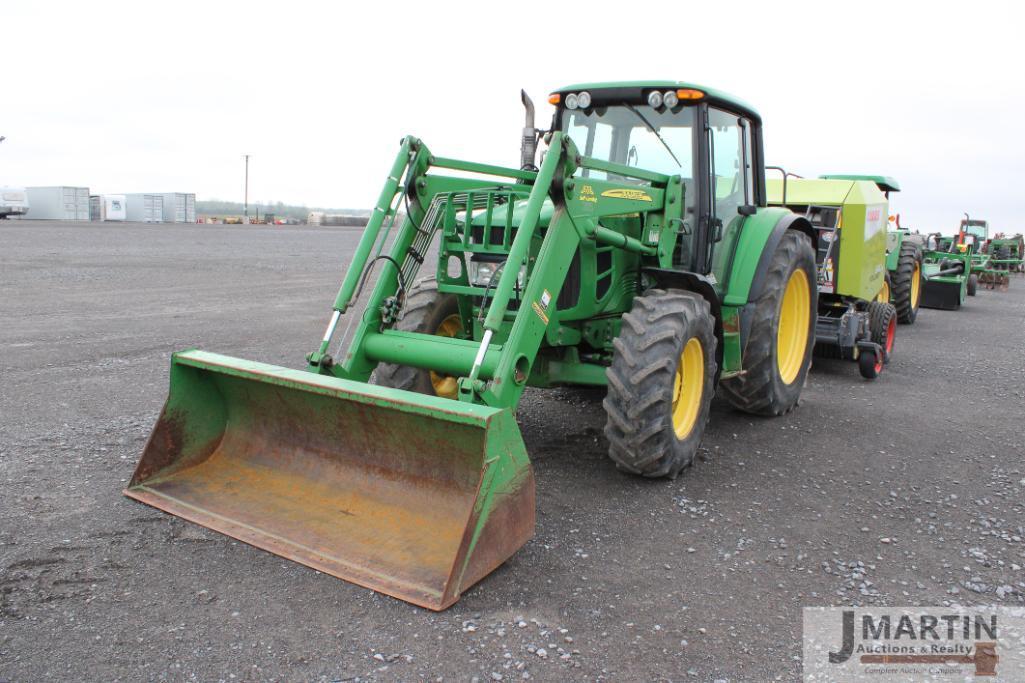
[670, 99]
[584, 100]
[554, 98]
[655, 99]
[572, 101]
[689, 94]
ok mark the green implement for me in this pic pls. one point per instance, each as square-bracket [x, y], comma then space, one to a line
[946, 270]
[641, 256]
[856, 320]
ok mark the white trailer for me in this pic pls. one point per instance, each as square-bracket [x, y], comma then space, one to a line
[13, 202]
[141, 207]
[179, 207]
[107, 207]
[60, 203]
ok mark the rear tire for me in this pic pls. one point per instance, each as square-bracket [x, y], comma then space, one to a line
[762, 389]
[907, 282]
[660, 383]
[973, 284]
[427, 311]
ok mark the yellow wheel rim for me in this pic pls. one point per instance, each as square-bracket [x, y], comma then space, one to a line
[447, 386]
[884, 294]
[792, 334]
[688, 387]
[916, 284]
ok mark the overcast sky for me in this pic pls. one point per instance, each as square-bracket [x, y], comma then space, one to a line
[167, 96]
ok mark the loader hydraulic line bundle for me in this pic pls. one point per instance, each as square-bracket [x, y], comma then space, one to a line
[639, 255]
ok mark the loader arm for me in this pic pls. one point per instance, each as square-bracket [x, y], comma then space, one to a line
[493, 366]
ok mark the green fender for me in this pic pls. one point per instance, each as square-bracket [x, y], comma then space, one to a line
[757, 243]
[758, 240]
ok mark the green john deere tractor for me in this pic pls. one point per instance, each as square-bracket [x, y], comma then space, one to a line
[975, 233]
[903, 282]
[856, 321]
[640, 256]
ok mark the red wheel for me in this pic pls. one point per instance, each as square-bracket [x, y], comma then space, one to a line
[870, 364]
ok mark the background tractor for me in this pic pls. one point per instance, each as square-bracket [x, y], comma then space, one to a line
[855, 321]
[975, 233]
[640, 255]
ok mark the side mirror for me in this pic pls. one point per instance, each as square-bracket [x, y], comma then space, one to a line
[747, 209]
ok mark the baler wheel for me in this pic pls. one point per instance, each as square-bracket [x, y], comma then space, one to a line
[882, 321]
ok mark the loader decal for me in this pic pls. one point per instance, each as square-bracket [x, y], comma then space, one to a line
[636, 195]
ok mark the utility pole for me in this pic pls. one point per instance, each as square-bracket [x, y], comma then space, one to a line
[245, 210]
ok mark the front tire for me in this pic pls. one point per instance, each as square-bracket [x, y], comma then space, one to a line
[660, 383]
[427, 311]
[782, 337]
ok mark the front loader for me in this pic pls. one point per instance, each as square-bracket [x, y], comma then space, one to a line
[640, 255]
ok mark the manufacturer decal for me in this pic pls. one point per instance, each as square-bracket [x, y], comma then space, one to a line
[541, 306]
[587, 194]
[623, 193]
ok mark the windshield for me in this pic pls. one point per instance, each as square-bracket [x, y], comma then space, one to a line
[621, 134]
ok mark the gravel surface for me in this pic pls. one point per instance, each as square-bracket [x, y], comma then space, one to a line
[908, 490]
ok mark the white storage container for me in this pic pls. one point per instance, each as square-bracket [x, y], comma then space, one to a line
[179, 207]
[60, 203]
[107, 207]
[144, 208]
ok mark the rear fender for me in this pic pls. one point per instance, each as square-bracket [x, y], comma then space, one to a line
[758, 241]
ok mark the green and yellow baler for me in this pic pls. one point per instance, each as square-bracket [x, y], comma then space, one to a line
[903, 285]
[856, 321]
[640, 255]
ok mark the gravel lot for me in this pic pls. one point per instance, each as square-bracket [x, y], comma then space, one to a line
[908, 490]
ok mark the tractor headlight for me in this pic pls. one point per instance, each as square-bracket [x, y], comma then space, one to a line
[481, 272]
[572, 101]
[655, 99]
[584, 100]
[670, 99]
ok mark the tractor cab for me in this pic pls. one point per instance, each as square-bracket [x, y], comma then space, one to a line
[711, 141]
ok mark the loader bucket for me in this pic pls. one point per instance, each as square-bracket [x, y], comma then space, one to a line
[415, 496]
